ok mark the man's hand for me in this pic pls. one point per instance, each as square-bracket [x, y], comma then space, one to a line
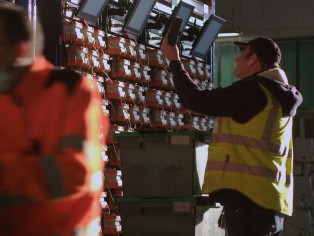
[186, 127]
[170, 52]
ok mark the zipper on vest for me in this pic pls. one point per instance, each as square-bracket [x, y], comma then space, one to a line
[225, 163]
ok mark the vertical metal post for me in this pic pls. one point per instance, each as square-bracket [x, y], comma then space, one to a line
[312, 107]
[212, 62]
[32, 6]
[49, 13]
[232, 62]
[212, 51]
[35, 23]
[210, 59]
[30, 10]
[218, 79]
[298, 64]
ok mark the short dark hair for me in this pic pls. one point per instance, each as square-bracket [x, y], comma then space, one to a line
[265, 65]
[17, 27]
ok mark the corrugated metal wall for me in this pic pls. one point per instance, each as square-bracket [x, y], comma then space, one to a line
[297, 61]
[279, 19]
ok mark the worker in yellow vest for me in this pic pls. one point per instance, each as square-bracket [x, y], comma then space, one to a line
[250, 159]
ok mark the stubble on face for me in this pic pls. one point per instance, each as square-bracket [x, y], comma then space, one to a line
[242, 63]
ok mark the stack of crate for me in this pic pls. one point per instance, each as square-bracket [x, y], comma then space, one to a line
[113, 184]
[162, 179]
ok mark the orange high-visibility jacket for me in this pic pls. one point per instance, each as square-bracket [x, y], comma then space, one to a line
[50, 162]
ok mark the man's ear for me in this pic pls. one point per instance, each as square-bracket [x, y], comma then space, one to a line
[254, 58]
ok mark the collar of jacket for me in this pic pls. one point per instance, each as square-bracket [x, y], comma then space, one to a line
[35, 78]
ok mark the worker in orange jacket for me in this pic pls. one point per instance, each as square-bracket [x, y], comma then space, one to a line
[50, 162]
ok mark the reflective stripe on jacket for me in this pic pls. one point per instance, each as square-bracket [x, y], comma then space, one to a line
[254, 158]
[50, 163]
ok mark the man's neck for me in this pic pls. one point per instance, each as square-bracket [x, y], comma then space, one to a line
[15, 76]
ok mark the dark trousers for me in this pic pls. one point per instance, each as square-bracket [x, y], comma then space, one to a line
[251, 220]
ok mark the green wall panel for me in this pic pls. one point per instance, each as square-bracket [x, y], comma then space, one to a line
[226, 72]
[289, 60]
[282, 46]
[305, 73]
[236, 53]
[225, 64]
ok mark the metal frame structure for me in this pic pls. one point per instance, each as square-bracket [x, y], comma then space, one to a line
[50, 14]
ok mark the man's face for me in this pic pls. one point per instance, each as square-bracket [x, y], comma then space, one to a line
[242, 63]
[8, 52]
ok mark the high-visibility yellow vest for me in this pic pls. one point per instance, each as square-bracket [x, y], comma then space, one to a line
[254, 158]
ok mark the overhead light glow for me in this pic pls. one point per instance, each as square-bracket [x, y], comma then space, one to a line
[228, 34]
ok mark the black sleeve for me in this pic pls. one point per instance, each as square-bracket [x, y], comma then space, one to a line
[241, 101]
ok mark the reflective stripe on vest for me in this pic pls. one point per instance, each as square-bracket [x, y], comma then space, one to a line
[72, 141]
[252, 143]
[54, 177]
[88, 148]
[271, 119]
[246, 169]
[79, 143]
[56, 186]
[261, 144]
